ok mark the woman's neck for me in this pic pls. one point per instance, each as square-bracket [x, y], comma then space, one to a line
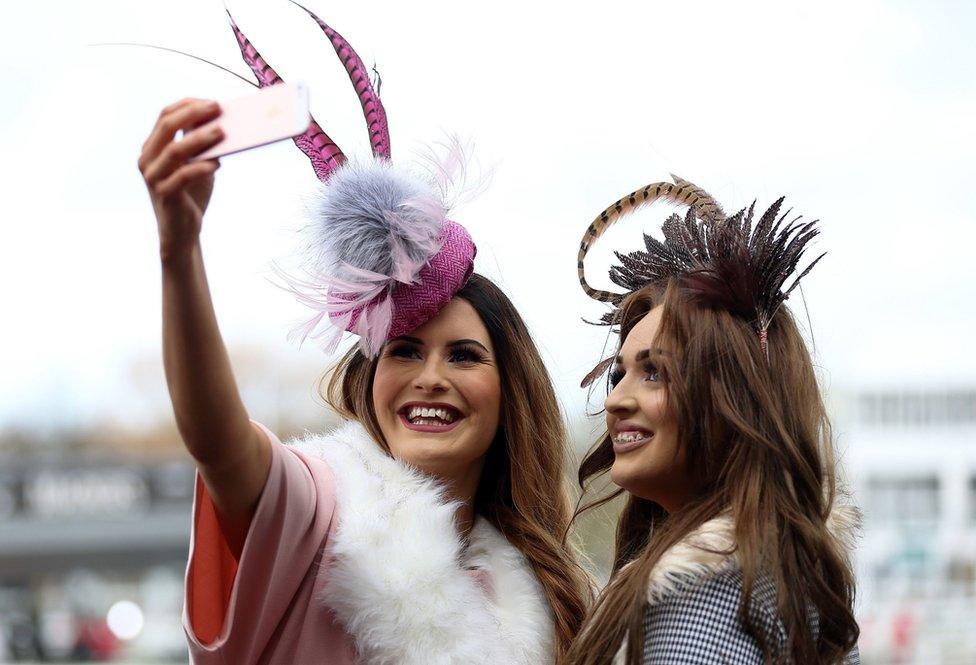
[462, 486]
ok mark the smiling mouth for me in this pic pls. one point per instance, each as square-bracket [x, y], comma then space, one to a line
[430, 418]
[630, 439]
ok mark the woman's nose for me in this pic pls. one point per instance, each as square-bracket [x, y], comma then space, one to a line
[431, 377]
[620, 401]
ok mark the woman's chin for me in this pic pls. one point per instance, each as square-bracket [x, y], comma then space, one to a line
[434, 454]
[618, 474]
[627, 475]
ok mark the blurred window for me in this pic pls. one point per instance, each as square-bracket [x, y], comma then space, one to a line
[901, 499]
[972, 499]
[952, 407]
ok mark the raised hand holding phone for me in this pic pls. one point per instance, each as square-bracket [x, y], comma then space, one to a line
[232, 457]
[272, 114]
[180, 189]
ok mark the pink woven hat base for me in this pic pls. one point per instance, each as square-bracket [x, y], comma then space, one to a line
[443, 276]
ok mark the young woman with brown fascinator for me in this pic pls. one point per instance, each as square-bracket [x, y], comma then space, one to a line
[429, 527]
[732, 546]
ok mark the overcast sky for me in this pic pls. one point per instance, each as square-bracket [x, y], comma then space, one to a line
[862, 114]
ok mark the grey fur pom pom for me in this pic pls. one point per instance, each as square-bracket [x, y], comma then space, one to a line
[376, 218]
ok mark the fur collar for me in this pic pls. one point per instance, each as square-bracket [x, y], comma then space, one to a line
[709, 549]
[399, 579]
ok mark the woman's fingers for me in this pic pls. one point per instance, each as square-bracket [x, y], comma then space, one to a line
[183, 102]
[177, 153]
[185, 114]
[186, 175]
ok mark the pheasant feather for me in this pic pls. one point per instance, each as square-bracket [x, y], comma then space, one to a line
[736, 263]
[321, 150]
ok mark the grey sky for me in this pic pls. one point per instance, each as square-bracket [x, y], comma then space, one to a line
[861, 113]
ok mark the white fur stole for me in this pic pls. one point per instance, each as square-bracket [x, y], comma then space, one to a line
[398, 579]
[706, 551]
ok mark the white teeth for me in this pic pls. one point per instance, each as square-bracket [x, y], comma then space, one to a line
[630, 437]
[434, 415]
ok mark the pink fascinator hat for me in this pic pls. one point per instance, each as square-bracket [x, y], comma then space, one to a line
[382, 258]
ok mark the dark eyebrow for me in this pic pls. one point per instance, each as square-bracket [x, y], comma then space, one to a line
[404, 338]
[463, 342]
[641, 356]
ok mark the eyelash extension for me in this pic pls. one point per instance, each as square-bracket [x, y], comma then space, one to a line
[468, 353]
[401, 350]
[651, 368]
[460, 354]
[617, 376]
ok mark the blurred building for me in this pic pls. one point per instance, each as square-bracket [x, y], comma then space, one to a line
[911, 457]
[95, 520]
[94, 530]
[91, 556]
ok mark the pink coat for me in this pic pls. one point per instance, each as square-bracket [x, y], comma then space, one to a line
[263, 608]
[392, 584]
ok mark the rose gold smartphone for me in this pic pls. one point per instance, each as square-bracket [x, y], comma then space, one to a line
[272, 114]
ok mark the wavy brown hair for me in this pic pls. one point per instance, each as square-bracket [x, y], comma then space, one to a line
[758, 433]
[522, 491]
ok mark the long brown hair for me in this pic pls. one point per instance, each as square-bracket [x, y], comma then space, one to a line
[755, 425]
[522, 490]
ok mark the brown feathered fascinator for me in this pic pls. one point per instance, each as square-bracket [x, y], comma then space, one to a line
[729, 262]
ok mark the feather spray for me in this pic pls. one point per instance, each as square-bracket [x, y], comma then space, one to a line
[381, 256]
[734, 263]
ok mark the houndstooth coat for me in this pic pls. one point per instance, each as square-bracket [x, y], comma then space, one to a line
[692, 617]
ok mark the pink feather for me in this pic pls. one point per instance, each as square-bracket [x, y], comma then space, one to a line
[321, 150]
[373, 111]
[378, 326]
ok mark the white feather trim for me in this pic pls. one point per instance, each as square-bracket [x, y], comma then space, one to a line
[454, 169]
[397, 576]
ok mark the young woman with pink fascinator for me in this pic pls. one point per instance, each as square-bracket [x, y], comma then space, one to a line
[429, 527]
[734, 545]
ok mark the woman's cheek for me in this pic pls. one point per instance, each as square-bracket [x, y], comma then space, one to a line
[486, 393]
[654, 405]
[483, 396]
[389, 380]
